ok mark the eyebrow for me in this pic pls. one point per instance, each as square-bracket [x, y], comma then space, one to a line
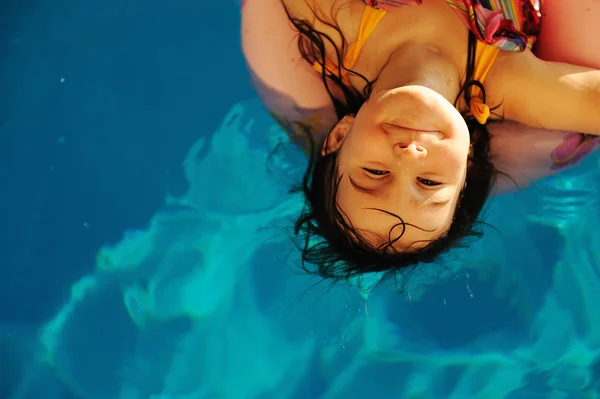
[374, 193]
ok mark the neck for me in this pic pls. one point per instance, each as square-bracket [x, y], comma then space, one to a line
[421, 65]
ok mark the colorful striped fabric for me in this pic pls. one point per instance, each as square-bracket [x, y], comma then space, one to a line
[511, 25]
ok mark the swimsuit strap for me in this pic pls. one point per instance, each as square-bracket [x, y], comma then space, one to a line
[485, 55]
[368, 22]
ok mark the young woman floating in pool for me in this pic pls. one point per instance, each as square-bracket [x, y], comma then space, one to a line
[391, 100]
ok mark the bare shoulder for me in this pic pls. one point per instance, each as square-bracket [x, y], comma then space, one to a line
[546, 94]
[286, 84]
[502, 75]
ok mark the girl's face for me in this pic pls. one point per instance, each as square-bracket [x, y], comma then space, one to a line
[404, 154]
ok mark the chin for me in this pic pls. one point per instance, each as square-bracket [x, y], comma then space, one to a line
[419, 108]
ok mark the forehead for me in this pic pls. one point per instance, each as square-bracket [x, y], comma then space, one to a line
[381, 220]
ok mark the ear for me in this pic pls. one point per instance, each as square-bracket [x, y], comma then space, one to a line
[337, 135]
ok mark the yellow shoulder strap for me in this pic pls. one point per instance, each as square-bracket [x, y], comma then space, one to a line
[368, 22]
[485, 55]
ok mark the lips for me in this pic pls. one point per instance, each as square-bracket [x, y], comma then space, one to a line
[414, 134]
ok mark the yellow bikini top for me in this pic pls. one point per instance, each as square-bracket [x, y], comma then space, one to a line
[485, 56]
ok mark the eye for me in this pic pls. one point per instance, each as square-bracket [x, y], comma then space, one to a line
[429, 183]
[376, 172]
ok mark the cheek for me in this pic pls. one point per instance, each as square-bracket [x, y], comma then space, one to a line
[458, 156]
[363, 146]
[350, 203]
[453, 161]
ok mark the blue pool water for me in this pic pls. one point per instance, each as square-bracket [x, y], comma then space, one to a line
[143, 251]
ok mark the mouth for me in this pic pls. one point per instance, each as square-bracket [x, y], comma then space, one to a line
[414, 133]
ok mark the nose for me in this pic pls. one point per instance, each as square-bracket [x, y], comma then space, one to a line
[412, 150]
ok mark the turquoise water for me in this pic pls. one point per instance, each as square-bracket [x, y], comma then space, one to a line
[144, 249]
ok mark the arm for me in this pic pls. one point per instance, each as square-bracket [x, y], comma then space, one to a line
[547, 94]
[287, 85]
[569, 34]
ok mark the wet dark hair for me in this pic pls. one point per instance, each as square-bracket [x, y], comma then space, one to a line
[331, 247]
